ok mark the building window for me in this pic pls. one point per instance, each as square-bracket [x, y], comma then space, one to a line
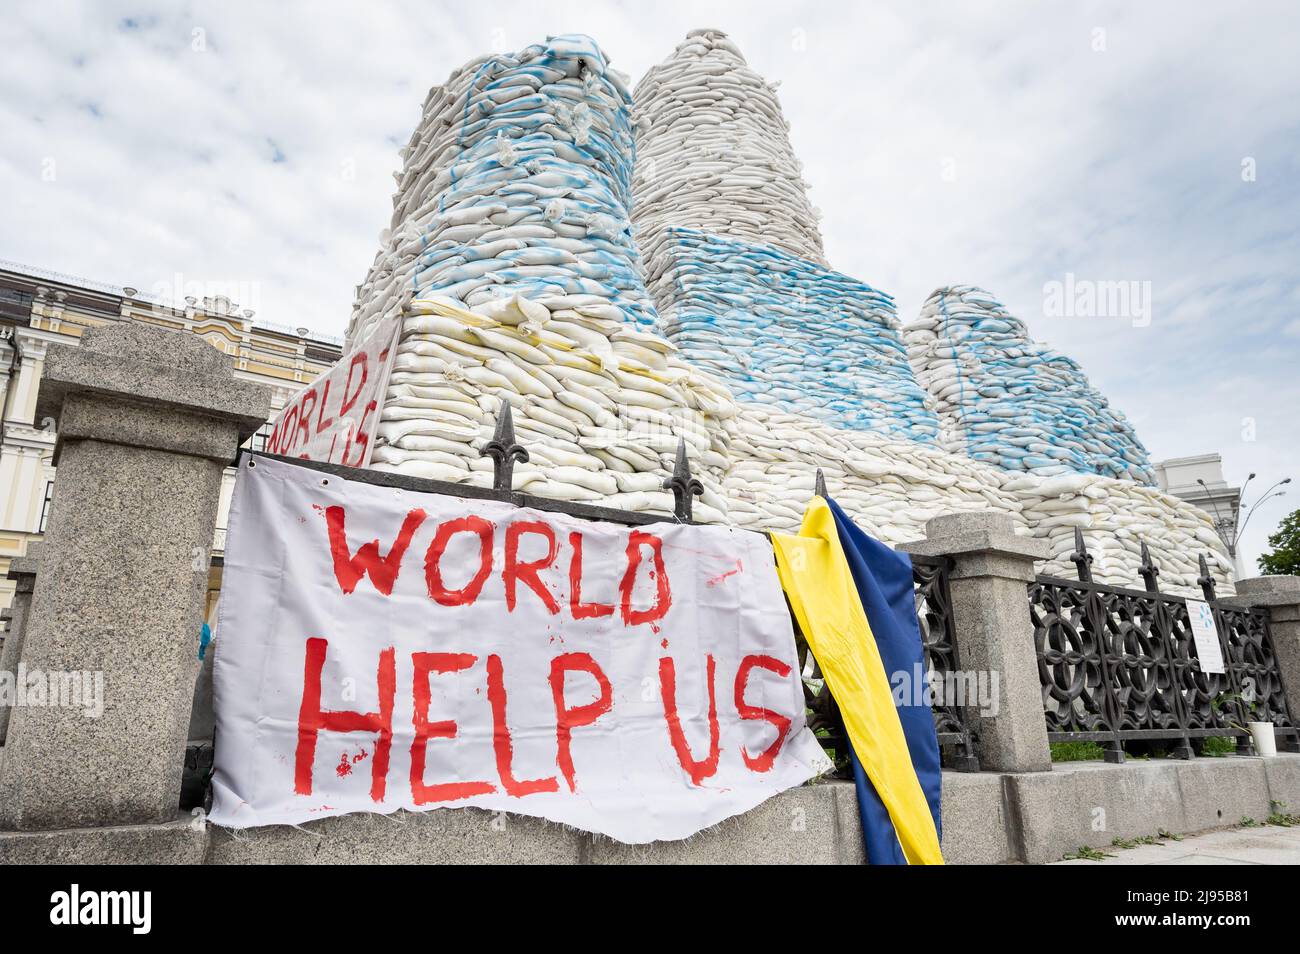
[258, 441]
[45, 506]
[15, 304]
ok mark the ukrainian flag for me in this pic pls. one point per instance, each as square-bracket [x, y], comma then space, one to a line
[853, 598]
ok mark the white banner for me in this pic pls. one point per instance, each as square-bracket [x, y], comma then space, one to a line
[334, 418]
[382, 649]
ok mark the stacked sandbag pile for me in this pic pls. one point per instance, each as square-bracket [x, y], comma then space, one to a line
[598, 431]
[517, 181]
[733, 253]
[1011, 402]
[513, 268]
[713, 153]
[511, 265]
[1116, 517]
[891, 486]
[789, 333]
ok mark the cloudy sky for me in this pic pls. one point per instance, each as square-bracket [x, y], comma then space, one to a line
[252, 146]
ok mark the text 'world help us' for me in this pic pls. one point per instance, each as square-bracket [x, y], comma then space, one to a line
[643, 598]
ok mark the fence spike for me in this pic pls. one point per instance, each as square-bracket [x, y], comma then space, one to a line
[819, 485]
[1081, 558]
[1205, 579]
[504, 450]
[682, 484]
[1149, 571]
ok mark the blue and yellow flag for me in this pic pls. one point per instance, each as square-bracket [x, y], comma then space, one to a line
[853, 598]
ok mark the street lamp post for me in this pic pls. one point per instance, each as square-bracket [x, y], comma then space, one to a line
[1232, 536]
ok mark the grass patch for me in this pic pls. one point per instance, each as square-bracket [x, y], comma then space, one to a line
[1213, 747]
[1218, 745]
[1077, 752]
[1157, 839]
[1280, 816]
[1088, 854]
[1148, 840]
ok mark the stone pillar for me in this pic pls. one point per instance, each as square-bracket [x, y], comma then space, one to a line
[22, 570]
[992, 569]
[1281, 594]
[147, 419]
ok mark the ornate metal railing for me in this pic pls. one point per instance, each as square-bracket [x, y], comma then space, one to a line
[942, 674]
[1120, 667]
[505, 450]
[1117, 666]
[943, 662]
[942, 671]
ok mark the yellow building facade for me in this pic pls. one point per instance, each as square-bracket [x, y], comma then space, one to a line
[39, 308]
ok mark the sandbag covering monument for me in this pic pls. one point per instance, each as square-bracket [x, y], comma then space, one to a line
[628, 270]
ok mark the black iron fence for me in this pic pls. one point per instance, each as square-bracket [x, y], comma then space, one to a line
[1119, 667]
[951, 693]
[943, 676]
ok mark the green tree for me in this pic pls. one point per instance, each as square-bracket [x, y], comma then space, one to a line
[1285, 558]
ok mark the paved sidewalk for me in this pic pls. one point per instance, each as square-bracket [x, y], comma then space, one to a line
[1265, 845]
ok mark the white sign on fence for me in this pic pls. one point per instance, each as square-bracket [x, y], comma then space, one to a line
[334, 418]
[1205, 637]
[382, 649]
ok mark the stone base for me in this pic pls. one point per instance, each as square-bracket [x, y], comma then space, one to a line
[813, 824]
[443, 837]
[182, 842]
[976, 826]
[989, 818]
[1091, 804]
